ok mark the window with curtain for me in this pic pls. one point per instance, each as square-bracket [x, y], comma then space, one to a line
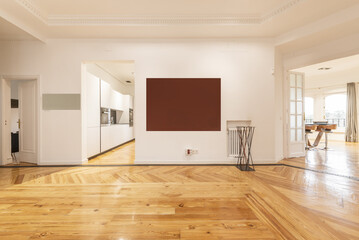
[351, 131]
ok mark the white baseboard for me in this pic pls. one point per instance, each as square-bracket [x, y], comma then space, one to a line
[226, 161]
[260, 161]
[139, 161]
[61, 163]
[7, 161]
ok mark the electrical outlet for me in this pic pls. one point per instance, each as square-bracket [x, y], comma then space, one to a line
[190, 152]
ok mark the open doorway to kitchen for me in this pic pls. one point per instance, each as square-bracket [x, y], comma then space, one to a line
[110, 113]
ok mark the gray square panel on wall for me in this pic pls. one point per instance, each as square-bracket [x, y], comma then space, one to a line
[61, 101]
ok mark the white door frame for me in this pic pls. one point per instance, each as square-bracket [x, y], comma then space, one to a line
[38, 107]
[5, 125]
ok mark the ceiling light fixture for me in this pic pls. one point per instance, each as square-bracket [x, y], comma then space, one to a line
[324, 68]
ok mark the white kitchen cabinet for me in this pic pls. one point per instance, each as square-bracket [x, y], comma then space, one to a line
[106, 94]
[114, 135]
[126, 102]
[113, 96]
[93, 100]
[93, 141]
[107, 138]
[118, 101]
[93, 114]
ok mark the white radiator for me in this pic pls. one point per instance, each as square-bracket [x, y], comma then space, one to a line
[233, 142]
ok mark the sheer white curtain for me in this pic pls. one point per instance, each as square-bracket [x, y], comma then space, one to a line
[351, 132]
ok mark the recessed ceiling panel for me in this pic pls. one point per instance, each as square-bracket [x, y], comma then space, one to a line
[157, 7]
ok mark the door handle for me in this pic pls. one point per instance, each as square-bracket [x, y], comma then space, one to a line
[18, 122]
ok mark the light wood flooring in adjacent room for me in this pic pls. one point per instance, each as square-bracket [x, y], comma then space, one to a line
[122, 155]
[342, 158]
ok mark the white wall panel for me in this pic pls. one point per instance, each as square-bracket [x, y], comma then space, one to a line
[245, 67]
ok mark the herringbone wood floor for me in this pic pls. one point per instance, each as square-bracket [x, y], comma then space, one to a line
[176, 202]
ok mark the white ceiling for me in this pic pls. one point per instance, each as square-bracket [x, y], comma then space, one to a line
[336, 65]
[123, 71]
[9, 31]
[47, 19]
[156, 7]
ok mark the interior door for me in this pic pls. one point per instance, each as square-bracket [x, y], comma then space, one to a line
[28, 121]
[296, 126]
[5, 121]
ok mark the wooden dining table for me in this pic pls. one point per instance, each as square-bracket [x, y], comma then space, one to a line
[321, 128]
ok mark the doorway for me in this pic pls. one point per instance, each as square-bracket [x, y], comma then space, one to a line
[20, 121]
[110, 113]
[325, 105]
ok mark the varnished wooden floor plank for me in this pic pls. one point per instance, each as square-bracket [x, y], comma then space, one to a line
[342, 158]
[124, 154]
[176, 202]
[274, 202]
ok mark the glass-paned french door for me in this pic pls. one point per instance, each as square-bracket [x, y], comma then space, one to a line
[296, 107]
[296, 114]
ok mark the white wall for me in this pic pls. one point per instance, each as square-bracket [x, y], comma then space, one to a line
[248, 91]
[59, 69]
[279, 114]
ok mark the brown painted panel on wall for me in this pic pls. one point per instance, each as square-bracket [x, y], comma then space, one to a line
[183, 104]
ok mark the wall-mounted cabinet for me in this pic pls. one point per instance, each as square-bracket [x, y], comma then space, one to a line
[118, 102]
[126, 102]
[110, 98]
[106, 94]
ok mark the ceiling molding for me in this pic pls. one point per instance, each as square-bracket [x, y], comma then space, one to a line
[280, 10]
[151, 20]
[78, 20]
[21, 24]
[34, 10]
